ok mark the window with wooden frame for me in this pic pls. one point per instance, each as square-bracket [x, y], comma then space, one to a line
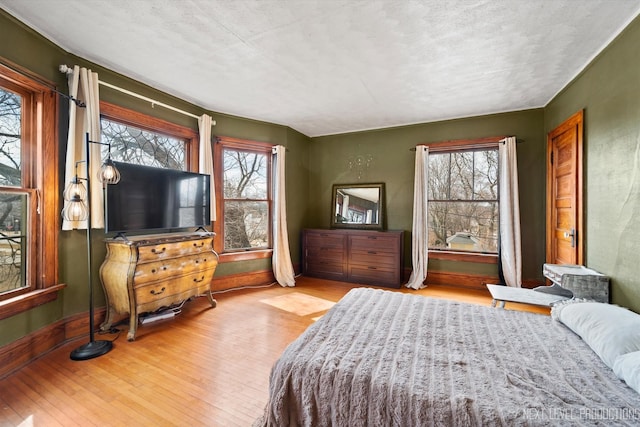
[243, 198]
[463, 200]
[144, 140]
[29, 211]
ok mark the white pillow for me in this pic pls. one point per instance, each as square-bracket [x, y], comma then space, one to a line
[557, 307]
[609, 330]
[627, 368]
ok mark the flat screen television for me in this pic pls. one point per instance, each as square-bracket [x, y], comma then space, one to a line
[156, 199]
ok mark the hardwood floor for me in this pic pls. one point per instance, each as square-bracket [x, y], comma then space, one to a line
[205, 367]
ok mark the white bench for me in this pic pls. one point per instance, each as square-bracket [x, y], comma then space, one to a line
[503, 294]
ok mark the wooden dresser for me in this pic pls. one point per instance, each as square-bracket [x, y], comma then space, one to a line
[361, 256]
[145, 273]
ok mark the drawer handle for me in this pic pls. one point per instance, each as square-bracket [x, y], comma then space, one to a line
[195, 244]
[372, 252]
[158, 252]
[372, 237]
[154, 292]
[196, 280]
[372, 268]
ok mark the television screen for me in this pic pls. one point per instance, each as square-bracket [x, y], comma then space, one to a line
[150, 198]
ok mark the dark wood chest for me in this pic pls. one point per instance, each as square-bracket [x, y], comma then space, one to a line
[360, 256]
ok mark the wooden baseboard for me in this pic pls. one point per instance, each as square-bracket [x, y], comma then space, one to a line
[532, 283]
[19, 353]
[241, 280]
[463, 280]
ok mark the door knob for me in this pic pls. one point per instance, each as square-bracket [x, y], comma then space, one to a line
[571, 234]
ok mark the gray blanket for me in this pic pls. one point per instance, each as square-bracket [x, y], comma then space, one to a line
[381, 358]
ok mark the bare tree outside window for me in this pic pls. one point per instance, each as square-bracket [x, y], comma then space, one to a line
[130, 144]
[246, 201]
[10, 136]
[463, 200]
[13, 202]
[29, 214]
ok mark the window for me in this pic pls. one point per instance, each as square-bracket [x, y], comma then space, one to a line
[29, 216]
[14, 199]
[463, 198]
[143, 140]
[243, 196]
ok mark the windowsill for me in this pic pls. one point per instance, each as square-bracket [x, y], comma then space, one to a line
[464, 256]
[12, 306]
[245, 255]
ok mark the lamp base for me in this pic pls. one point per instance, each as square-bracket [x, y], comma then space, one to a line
[91, 349]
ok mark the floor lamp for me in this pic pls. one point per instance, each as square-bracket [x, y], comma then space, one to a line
[78, 208]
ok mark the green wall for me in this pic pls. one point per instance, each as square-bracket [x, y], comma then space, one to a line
[24, 47]
[609, 92]
[393, 164]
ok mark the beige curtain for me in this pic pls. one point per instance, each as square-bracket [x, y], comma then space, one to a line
[281, 261]
[206, 157]
[83, 86]
[510, 246]
[420, 229]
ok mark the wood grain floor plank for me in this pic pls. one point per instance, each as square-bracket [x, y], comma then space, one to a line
[32, 405]
[8, 416]
[46, 384]
[205, 367]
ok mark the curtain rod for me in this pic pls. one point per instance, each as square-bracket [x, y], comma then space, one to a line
[50, 85]
[68, 70]
[502, 140]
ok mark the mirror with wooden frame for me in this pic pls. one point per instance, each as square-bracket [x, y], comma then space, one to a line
[358, 206]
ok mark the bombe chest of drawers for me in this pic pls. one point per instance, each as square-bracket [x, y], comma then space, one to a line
[143, 274]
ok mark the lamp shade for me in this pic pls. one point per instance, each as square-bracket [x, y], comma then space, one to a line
[109, 173]
[75, 190]
[75, 210]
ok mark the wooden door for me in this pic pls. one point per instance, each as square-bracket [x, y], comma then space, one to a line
[564, 192]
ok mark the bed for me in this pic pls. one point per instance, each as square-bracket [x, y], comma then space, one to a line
[382, 358]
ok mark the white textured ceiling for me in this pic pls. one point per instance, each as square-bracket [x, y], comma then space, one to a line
[332, 66]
